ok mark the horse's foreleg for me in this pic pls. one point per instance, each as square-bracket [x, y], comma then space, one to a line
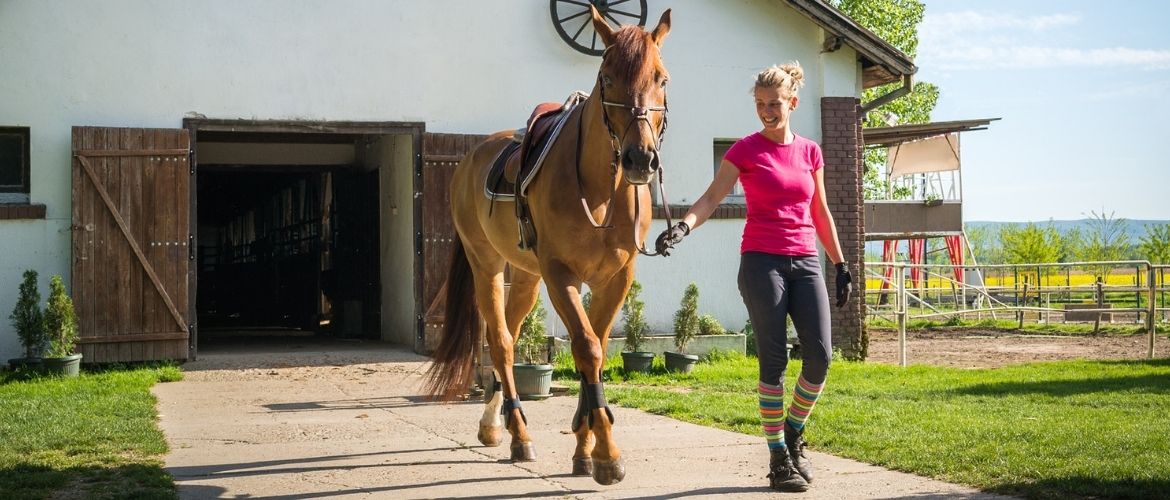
[522, 294]
[592, 423]
[607, 301]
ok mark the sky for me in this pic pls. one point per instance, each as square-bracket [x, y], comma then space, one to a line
[1083, 90]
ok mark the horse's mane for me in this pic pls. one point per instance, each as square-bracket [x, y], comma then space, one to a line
[635, 57]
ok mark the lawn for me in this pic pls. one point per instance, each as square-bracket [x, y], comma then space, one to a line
[1045, 430]
[93, 436]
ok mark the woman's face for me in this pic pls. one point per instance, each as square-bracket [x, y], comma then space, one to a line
[773, 107]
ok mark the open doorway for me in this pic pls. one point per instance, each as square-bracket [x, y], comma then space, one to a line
[294, 224]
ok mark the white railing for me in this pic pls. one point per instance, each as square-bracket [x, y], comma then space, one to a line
[1020, 290]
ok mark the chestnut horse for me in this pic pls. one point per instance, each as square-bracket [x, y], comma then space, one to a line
[617, 129]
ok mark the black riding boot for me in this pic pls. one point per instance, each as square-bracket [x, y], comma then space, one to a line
[782, 475]
[796, 445]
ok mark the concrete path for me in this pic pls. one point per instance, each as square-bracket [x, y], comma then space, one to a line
[345, 421]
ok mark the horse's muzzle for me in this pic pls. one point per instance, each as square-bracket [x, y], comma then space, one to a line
[639, 164]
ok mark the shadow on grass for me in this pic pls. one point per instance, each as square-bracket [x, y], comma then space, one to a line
[1151, 384]
[1085, 487]
[141, 481]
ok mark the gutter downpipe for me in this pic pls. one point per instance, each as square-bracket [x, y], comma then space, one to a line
[907, 86]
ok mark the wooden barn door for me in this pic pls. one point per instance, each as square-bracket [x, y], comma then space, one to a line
[441, 153]
[131, 243]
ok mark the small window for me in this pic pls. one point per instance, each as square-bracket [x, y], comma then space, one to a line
[14, 165]
[719, 149]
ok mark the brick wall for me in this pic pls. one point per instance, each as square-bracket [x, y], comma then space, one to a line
[841, 144]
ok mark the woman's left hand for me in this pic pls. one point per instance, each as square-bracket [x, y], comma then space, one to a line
[844, 284]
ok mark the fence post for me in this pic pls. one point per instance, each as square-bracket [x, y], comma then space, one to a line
[1100, 305]
[902, 306]
[1020, 312]
[1152, 311]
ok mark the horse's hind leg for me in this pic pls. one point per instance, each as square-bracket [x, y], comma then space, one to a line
[522, 295]
[489, 291]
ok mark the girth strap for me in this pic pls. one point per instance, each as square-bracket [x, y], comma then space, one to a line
[591, 397]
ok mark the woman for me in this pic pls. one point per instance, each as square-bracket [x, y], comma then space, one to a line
[780, 273]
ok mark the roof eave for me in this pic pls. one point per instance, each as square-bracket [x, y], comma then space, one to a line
[882, 63]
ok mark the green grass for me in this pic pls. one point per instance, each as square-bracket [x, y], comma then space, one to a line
[93, 436]
[1046, 430]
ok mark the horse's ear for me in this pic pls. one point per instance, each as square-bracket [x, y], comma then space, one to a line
[604, 31]
[662, 29]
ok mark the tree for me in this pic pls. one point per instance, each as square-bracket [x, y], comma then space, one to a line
[1154, 246]
[1029, 244]
[1105, 240]
[896, 22]
[984, 248]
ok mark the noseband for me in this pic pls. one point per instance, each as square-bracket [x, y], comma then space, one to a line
[637, 114]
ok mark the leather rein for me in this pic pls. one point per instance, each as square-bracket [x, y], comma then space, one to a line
[637, 114]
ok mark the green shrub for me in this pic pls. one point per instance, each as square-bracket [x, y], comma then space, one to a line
[27, 318]
[532, 340]
[750, 333]
[634, 324]
[708, 325]
[60, 320]
[686, 319]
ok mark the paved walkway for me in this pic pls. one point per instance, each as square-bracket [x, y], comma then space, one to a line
[310, 420]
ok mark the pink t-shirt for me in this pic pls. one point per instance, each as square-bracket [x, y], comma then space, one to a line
[778, 185]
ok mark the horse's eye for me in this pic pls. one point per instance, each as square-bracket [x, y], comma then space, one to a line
[605, 80]
[663, 84]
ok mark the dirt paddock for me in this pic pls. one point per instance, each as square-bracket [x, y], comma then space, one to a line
[972, 348]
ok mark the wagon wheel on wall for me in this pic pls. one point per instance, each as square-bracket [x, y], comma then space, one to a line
[575, 25]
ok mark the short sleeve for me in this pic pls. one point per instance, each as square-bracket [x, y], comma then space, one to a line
[736, 154]
[814, 156]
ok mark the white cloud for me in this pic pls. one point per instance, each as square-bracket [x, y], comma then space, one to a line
[950, 24]
[977, 57]
[976, 40]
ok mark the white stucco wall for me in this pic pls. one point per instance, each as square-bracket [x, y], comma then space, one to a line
[460, 66]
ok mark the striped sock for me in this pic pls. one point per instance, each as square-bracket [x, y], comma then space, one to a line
[772, 414]
[804, 396]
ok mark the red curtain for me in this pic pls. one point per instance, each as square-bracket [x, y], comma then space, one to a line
[955, 249]
[889, 249]
[917, 250]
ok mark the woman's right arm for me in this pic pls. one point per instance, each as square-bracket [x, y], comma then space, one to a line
[724, 180]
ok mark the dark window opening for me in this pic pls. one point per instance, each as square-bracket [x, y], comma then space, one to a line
[14, 164]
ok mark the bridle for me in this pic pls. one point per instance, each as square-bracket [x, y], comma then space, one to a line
[637, 114]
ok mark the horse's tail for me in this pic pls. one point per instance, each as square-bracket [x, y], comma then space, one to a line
[453, 369]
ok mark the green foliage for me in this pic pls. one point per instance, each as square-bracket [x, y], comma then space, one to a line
[532, 339]
[985, 249]
[708, 325]
[634, 324]
[586, 301]
[1155, 244]
[750, 333]
[60, 320]
[686, 319]
[1105, 239]
[27, 318]
[896, 22]
[1030, 243]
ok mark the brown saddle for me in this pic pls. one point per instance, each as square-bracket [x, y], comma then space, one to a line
[519, 161]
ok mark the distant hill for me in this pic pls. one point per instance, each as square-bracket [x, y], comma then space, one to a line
[1135, 228]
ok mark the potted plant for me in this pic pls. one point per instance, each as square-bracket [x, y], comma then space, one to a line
[533, 375]
[61, 329]
[686, 326]
[29, 323]
[634, 326]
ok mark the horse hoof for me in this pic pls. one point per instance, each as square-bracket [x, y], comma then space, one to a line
[583, 466]
[607, 472]
[491, 436]
[523, 452]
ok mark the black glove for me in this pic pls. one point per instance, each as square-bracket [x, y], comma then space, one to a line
[671, 237]
[844, 284]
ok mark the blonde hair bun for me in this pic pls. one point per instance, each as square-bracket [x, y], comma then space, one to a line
[789, 78]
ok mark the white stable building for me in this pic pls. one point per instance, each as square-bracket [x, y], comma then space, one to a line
[197, 168]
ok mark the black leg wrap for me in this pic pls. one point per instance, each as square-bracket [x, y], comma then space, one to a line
[591, 397]
[506, 410]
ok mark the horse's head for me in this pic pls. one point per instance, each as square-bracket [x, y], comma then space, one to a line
[632, 86]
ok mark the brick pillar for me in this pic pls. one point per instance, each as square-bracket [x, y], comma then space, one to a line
[842, 145]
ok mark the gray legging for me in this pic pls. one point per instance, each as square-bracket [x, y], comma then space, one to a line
[774, 287]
